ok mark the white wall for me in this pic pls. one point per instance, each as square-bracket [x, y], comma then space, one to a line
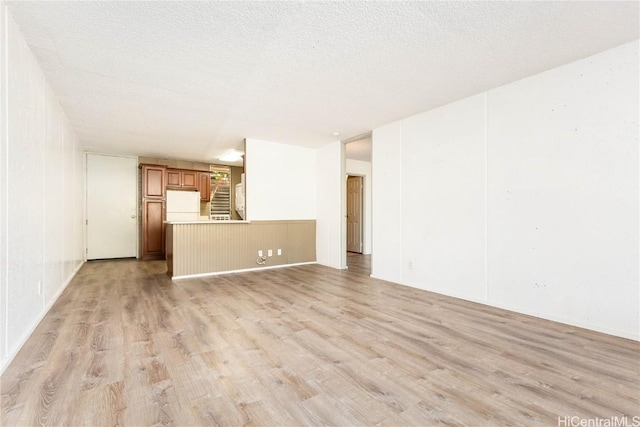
[331, 214]
[443, 203]
[280, 181]
[4, 169]
[386, 203]
[360, 168]
[41, 198]
[290, 182]
[524, 197]
[563, 193]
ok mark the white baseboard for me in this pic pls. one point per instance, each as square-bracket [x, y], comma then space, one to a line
[337, 267]
[217, 273]
[566, 321]
[533, 313]
[10, 356]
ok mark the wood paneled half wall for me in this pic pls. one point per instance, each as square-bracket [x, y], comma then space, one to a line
[214, 247]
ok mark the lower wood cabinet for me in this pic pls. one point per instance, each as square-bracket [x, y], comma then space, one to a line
[153, 214]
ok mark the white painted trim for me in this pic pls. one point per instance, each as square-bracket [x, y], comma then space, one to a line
[343, 206]
[138, 207]
[388, 279]
[519, 310]
[218, 273]
[27, 335]
[337, 267]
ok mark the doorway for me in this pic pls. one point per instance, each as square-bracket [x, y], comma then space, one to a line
[354, 213]
[111, 207]
[356, 233]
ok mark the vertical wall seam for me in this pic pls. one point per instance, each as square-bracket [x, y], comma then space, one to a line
[78, 195]
[43, 135]
[61, 196]
[401, 192]
[486, 196]
[5, 207]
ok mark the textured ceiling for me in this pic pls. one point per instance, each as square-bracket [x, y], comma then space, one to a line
[192, 79]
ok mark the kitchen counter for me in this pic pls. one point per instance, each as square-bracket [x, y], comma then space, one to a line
[201, 248]
[210, 221]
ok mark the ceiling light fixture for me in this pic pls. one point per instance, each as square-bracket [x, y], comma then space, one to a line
[232, 156]
[336, 134]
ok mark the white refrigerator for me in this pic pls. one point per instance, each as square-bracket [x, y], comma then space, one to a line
[240, 197]
[183, 205]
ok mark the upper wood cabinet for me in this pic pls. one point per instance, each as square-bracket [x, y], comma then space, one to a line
[204, 186]
[173, 178]
[190, 179]
[153, 181]
[182, 179]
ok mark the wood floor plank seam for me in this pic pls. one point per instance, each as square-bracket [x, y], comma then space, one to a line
[304, 345]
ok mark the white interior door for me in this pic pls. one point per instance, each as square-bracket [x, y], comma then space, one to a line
[112, 184]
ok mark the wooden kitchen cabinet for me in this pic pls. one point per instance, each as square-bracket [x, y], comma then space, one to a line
[173, 178]
[182, 179]
[153, 193]
[190, 180]
[153, 214]
[204, 186]
[153, 181]
[156, 180]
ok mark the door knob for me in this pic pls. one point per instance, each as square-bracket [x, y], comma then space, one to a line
[133, 216]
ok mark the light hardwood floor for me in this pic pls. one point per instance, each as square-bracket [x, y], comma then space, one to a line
[304, 345]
